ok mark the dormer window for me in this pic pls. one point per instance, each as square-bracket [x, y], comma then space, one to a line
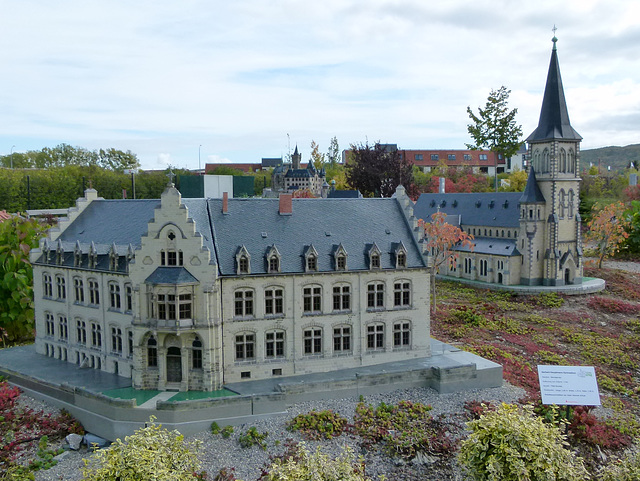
[243, 261]
[401, 256]
[273, 260]
[310, 259]
[340, 258]
[374, 257]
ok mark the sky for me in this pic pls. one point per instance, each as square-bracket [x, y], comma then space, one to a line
[184, 83]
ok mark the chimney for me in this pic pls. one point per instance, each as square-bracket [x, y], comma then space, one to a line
[442, 189]
[225, 202]
[286, 207]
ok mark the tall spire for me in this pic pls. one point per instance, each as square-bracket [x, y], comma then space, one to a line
[554, 116]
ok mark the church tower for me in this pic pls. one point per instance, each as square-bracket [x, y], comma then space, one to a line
[553, 150]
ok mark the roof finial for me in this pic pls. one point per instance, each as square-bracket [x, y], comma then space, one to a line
[554, 39]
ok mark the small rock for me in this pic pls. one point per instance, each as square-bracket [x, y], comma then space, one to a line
[63, 455]
[91, 440]
[73, 440]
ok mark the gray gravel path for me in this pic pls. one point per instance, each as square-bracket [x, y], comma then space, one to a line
[217, 452]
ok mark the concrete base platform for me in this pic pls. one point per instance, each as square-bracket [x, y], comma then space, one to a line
[81, 391]
[589, 285]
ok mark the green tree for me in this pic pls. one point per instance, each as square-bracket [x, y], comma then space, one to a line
[495, 127]
[376, 171]
[517, 181]
[317, 158]
[225, 170]
[333, 155]
[150, 453]
[17, 237]
[117, 160]
[632, 214]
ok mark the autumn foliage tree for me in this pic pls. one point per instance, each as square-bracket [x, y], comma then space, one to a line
[376, 171]
[443, 242]
[607, 229]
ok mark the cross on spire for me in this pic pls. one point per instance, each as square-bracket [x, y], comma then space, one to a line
[554, 39]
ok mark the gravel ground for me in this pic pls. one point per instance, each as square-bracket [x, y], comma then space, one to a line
[217, 452]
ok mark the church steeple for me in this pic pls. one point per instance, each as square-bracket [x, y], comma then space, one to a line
[554, 117]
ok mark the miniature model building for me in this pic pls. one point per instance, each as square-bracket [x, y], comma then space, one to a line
[530, 238]
[191, 294]
[287, 178]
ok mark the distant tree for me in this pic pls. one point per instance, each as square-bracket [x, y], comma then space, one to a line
[117, 160]
[632, 214]
[495, 127]
[517, 181]
[303, 194]
[333, 155]
[376, 171]
[632, 192]
[607, 229]
[317, 158]
[443, 240]
[225, 170]
[337, 172]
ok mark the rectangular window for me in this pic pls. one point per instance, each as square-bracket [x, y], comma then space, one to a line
[312, 299]
[245, 347]
[130, 344]
[172, 258]
[375, 296]
[401, 334]
[116, 340]
[451, 157]
[78, 288]
[312, 263]
[273, 304]
[184, 306]
[61, 287]
[402, 294]
[81, 332]
[375, 336]
[274, 344]
[47, 286]
[467, 156]
[114, 295]
[483, 157]
[313, 341]
[63, 329]
[49, 325]
[418, 156]
[244, 303]
[94, 293]
[96, 335]
[341, 298]
[128, 293]
[342, 339]
[435, 157]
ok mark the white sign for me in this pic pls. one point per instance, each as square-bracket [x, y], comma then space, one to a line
[569, 385]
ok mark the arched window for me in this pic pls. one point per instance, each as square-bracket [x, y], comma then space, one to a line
[570, 203]
[563, 161]
[562, 203]
[61, 287]
[196, 353]
[571, 163]
[546, 161]
[114, 295]
[536, 161]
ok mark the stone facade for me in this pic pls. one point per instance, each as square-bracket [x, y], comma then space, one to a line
[190, 294]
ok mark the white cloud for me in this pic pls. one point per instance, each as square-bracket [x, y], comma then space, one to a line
[161, 78]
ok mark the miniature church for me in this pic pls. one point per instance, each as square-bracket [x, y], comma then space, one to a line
[529, 238]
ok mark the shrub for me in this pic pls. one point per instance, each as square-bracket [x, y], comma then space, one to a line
[512, 444]
[405, 429]
[625, 469]
[252, 438]
[548, 299]
[151, 452]
[215, 429]
[588, 428]
[298, 464]
[227, 431]
[316, 425]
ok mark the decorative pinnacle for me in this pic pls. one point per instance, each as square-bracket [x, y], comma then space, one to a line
[554, 39]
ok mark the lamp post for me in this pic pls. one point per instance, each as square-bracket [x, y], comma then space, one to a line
[12, 147]
[199, 147]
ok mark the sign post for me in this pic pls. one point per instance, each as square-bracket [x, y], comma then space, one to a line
[569, 385]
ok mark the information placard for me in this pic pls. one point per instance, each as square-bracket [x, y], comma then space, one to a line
[569, 385]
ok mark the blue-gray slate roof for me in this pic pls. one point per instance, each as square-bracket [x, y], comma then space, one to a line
[498, 209]
[493, 246]
[554, 115]
[323, 223]
[532, 193]
[171, 275]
